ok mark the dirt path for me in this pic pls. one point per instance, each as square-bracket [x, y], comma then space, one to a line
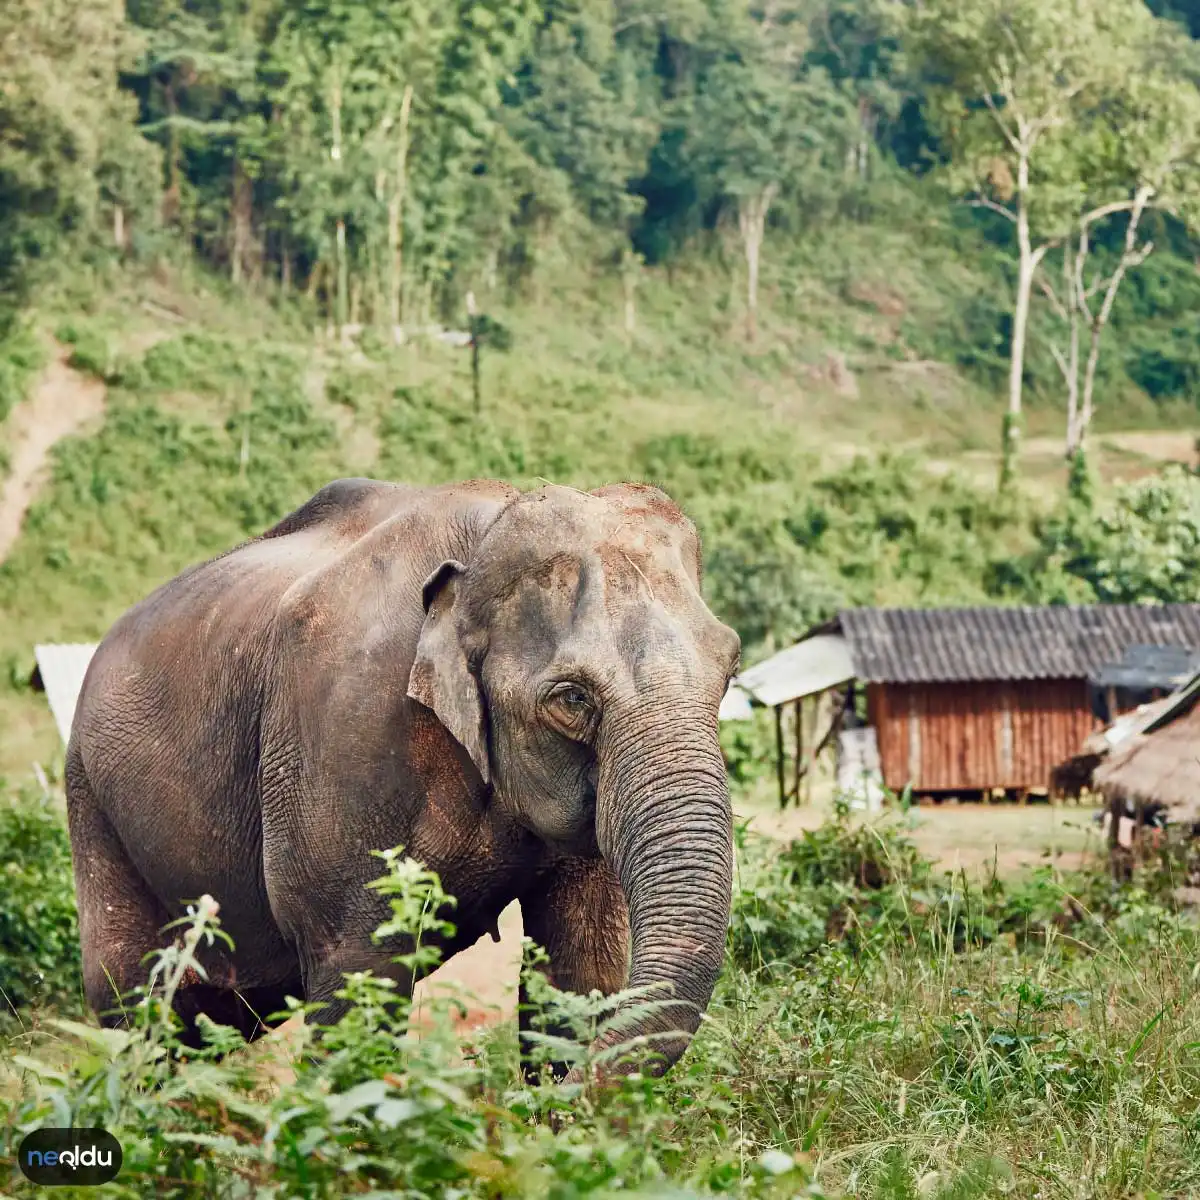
[62, 403]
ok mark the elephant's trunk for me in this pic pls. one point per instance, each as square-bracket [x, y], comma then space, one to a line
[665, 824]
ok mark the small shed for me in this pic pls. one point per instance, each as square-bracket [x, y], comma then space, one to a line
[1143, 675]
[59, 672]
[977, 700]
[811, 667]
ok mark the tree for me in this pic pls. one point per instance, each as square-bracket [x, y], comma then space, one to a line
[70, 156]
[1142, 547]
[204, 99]
[1153, 163]
[357, 93]
[756, 127]
[577, 109]
[856, 42]
[1017, 81]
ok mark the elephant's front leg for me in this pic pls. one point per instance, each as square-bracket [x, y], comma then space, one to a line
[577, 914]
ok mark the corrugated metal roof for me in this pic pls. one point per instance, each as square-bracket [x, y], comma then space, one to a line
[1149, 667]
[902, 645]
[1180, 702]
[62, 668]
[808, 667]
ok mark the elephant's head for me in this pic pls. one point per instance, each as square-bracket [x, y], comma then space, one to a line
[574, 659]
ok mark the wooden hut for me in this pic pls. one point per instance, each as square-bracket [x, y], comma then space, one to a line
[978, 700]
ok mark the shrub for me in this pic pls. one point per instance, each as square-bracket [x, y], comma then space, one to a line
[90, 350]
[1142, 546]
[39, 934]
[371, 1110]
[21, 356]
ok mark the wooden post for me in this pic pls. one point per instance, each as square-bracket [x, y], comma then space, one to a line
[817, 746]
[798, 712]
[779, 755]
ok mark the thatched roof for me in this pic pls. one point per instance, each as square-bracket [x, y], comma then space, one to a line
[1159, 763]
[1116, 735]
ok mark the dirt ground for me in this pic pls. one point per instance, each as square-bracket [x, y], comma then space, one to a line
[63, 402]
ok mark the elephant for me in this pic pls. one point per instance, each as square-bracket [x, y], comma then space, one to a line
[519, 688]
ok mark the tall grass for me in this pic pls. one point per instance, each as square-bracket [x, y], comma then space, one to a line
[881, 1030]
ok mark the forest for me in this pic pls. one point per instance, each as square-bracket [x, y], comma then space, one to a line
[389, 161]
[886, 293]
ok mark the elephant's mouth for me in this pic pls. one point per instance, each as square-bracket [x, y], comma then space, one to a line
[578, 838]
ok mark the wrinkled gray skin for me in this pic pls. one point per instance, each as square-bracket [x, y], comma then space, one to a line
[521, 689]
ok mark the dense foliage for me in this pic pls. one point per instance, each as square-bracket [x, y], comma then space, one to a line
[162, 485]
[882, 1029]
[39, 934]
[387, 159]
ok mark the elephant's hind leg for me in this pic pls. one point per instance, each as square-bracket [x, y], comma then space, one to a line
[119, 919]
[577, 914]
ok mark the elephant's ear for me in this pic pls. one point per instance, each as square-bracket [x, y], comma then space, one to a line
[441, 679]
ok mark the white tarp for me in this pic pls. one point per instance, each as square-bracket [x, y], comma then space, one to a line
[735, 706]
[62, 668]
[859, 776]
[811, 666]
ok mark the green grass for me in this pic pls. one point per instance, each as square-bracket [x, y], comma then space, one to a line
[21, 357]
[924, 1034]
[881, 1030]
[199, 376]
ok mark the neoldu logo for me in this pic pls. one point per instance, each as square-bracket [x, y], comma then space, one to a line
[79, 1157]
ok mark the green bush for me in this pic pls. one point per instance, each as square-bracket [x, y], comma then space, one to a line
[371, 1110]
[21, 357]
[39, 934]
[881, 1030]
[90, 349]
[1142, 545]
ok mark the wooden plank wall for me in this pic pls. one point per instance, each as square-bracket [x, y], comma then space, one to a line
[972, 736]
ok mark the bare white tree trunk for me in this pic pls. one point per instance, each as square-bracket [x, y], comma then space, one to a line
[752, 221]
[1075, 309]
[631, 265]
[396, 212]
[1067, 308]
[243, 214]
[1030, 258]
[341, 270]
[1132, 255]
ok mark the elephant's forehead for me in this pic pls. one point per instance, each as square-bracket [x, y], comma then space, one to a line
[564, 516]
[621, 564]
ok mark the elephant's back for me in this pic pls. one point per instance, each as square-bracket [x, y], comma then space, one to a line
[166, 727]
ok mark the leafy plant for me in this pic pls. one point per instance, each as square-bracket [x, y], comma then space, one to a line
[39, 933]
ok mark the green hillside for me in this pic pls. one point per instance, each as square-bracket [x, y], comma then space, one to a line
[223, 411]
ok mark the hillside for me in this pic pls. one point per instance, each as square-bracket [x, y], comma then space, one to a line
[732, 247]
[222, 411]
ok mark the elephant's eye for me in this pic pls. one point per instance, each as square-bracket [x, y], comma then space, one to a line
[571, 707]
